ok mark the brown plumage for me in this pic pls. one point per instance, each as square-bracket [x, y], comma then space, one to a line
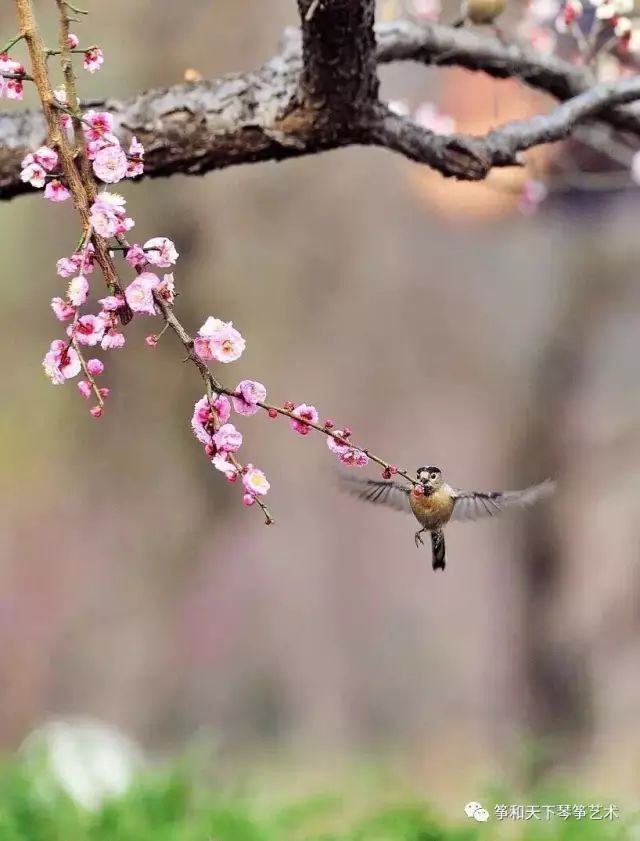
[434, 503]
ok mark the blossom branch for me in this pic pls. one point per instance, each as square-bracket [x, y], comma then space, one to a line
[342, 438]
[211, 383]
[79, 182]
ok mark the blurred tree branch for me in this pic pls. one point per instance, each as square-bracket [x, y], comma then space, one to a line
[321, 93]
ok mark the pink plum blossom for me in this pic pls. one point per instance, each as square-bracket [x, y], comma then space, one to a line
[135, 165]
[110, 164]
[167, 288]
[354, 457]
[95, 367]
[227, 439]
[139, 293]
[309, 413]
[85, 389]
[78, 290]
[32, 172]
[96, 411]
[202, 420]
[254, 481]
[227, 344]
[72, 41]
[67, 266]
[92, 147]
[11, 88]
[135, 256]
[93, 59]
[112, 303]
[221, 463]
[248, 500]
[98, 124]
[112, 340]
[202, 347]
[79, 263]
[88, 329]
[8, 65]
[218, 340]
[46, 157]
[62, 309]
[336, 446]
[161, 252]
[108, 215]
[60, 95]
[56, 191]
[61, 362]
[136, 149]
[248, 394]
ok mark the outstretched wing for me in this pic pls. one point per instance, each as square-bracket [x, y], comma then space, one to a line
[471, 505]
[392, 494]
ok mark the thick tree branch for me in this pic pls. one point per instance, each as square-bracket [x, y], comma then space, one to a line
[471, 158]
[443, 46]
[283, 110]
[339, 55]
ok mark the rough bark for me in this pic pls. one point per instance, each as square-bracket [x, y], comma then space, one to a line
[321, 93]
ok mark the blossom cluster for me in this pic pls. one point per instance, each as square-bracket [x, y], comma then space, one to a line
[110, 164]
[108, 219]
[103, 328]
[11, 85]
[220, 341]
[221, 439]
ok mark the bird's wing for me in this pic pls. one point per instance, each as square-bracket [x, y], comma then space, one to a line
[392, 494]
[471, 505]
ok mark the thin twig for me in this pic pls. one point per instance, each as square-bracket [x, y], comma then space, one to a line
[11, 43]
[75, 8]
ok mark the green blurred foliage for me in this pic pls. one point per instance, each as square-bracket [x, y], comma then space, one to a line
[176, 805]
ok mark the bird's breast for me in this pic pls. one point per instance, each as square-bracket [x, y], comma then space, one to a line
[431, 511]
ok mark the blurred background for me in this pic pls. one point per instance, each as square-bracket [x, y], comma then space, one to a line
[445, 327]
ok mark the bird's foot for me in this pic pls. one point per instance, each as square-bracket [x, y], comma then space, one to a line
[418, 539]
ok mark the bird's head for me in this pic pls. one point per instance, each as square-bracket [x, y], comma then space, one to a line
[430, 478]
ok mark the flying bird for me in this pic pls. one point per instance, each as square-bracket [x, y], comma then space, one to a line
[434, 503]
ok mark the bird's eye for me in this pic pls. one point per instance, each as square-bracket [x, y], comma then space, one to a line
[433, 475]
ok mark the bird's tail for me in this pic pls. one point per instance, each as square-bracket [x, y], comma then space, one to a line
[437, 549]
